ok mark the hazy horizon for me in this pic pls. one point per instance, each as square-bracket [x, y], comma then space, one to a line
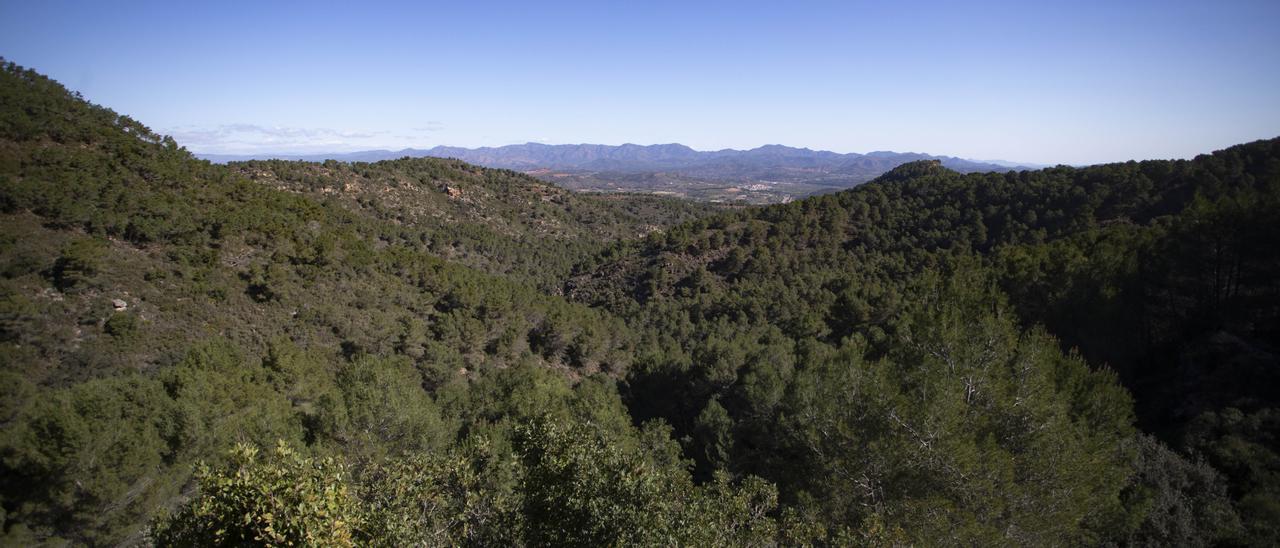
[1067, 83]
[695, 149]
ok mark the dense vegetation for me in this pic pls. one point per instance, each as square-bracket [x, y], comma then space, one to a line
[1163, 272]
[158, 309]
[424, 352]
[495, 220]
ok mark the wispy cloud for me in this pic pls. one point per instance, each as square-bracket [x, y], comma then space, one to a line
[252, 138]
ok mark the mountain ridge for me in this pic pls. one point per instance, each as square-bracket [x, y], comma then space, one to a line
[506, 156]
[766, 174]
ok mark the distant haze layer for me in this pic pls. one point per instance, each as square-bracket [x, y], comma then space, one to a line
[770, 173]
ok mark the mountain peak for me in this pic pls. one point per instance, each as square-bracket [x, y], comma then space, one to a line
[912, 170]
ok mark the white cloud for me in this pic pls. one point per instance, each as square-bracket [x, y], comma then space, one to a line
[252, 138]
[430, 127]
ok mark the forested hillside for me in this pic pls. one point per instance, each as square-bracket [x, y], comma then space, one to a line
[158, 309]
[1163, 272]
[421, 351]
[496, 220]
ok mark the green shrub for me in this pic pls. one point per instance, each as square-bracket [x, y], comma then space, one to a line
[280, 499]
[78, 264]
[122, 326]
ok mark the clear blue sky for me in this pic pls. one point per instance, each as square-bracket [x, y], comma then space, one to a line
[1068, 82]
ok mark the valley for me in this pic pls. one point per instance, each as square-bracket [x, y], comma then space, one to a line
[764, 175]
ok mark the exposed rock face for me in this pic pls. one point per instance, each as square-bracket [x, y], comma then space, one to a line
[119, 304]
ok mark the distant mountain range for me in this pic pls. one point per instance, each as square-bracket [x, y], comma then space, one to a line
[765, 174]
[640, 158]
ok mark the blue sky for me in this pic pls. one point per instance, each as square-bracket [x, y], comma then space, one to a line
[1045, 82]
